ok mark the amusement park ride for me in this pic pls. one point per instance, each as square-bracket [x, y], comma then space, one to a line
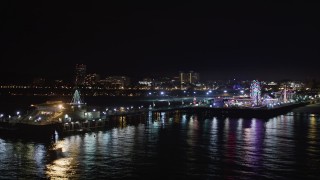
[256, 98]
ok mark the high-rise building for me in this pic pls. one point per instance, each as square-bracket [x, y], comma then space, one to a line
[183, 78]
[193, 77]
[80, 74]
[190, 78]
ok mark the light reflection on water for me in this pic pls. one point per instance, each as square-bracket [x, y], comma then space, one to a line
[174, 145]
[60, 169]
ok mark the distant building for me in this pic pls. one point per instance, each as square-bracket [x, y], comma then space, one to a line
[80, 74]
[91, 79]
[58, 82]
[39, 81]
[183, 78]
[146, 82]
[296, 85]
[116, 82]
[193, 77]
[190, 78]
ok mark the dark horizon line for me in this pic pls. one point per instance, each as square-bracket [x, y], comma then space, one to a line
[50, 78]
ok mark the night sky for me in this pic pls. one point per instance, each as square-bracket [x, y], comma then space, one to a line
[220, 41]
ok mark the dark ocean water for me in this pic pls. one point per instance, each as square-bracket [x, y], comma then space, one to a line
[175, 146]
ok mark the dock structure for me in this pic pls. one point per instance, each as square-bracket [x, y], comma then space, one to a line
[75, 117]
[228, 112]
[66, 120]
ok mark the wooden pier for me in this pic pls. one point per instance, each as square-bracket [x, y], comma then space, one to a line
[120, 119]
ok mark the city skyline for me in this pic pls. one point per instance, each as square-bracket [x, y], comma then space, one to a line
[243, 41]
[80, 76]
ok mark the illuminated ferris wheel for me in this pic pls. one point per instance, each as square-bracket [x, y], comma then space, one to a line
[255, 92]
